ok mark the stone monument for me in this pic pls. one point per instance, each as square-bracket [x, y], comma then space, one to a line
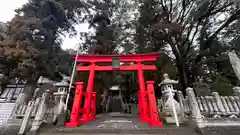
[235, 62]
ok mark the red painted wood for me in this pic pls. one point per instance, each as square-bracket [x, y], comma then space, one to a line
[108, 60]
[122, 68]
[75, 114]
[153, 111]
[93, 106]
[88, 99]
[123, 58]
[143, 102]
[143, 106]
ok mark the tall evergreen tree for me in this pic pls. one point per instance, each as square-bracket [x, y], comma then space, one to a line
[32, 47]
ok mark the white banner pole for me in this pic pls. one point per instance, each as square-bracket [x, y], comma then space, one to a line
[71, 81]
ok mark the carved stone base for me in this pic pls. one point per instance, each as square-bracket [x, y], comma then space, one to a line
[171, 120]
[134, 109]
[61, 119]
[31, 133]
[168, 108]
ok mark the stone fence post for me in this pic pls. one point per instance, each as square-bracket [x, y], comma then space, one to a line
[39, 117]
[181, 102]
[193, 104]
[59, 108]
[26, 118]
[18, 103]
[237, 91]
[218, 101]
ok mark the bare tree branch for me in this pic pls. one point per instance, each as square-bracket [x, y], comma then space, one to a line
[213, 12]
[170, 10]
[195, 33]
[163, 4]
[227, 23]
[207, 43]
[189, 8]
[184, 10]
[191, 41]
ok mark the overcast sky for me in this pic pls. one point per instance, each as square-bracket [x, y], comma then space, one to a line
[7, 13]
[7, 8]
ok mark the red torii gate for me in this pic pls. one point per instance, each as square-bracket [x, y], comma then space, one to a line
[146, 97]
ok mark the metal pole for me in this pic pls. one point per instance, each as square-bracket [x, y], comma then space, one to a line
[71, 81]
[173, 106]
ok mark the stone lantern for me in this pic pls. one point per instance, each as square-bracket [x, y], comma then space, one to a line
[169, 106]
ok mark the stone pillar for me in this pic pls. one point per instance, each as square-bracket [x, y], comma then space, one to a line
[237, 91]
[59, 108]
[193, 103]
[181, 102]
[38, 120]
[219, 102]
[19, 102]
[26, 118]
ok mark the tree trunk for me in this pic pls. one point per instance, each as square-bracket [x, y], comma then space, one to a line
[183, 81]
[30, 87]
[181, 66]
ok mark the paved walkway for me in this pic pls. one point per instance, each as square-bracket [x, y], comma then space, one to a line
[112, 124]
[221, 131]
[115, 121]
[115, 124]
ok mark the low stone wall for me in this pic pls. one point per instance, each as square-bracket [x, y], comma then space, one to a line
[44, 109]
[204, 111]
[212, 110]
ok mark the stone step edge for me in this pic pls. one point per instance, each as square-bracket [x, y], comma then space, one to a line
[139, 131]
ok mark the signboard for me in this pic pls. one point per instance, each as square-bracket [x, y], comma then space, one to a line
[115, 63]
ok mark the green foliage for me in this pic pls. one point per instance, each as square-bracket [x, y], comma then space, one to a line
[222, 85]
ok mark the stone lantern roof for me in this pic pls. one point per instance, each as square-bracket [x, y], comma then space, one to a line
[167, 80]
[115, 88]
